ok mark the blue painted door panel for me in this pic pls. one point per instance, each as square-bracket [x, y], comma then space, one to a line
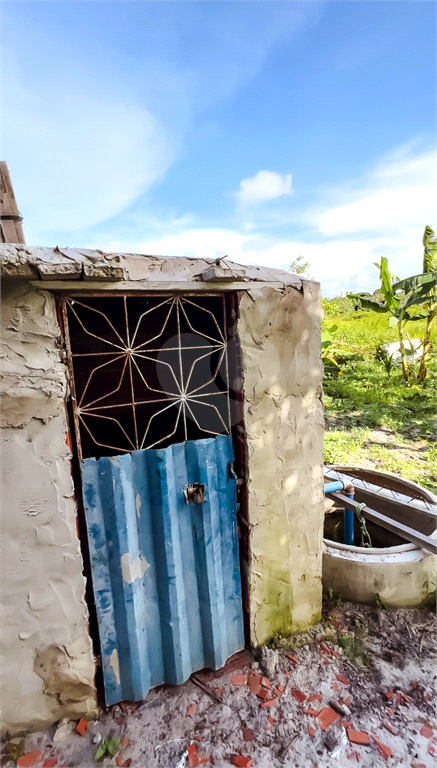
[166, 574]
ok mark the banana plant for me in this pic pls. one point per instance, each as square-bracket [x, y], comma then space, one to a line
[402, 299]
[430, 306]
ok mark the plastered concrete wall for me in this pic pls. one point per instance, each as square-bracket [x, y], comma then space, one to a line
[280, 337]
[47, 665]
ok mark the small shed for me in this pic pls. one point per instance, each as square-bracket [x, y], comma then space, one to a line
[162, 455]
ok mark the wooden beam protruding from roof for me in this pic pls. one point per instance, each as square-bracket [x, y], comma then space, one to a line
[11, 230]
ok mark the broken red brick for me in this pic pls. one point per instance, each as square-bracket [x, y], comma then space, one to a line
[270, 719]
[315, 697]
[311, 712]
[281, 688]
[203, 760]
[298, 695]
[248, 734]
[277, 692]
[254, 683]
[346, 723]
[358, 737]
[270, 703]
[334, 653]
[119, 721]
[418, 765]
[311, 731]
[197, 737]
[125, 741]
[82, 726]
[343, 679]
[431, 750]
[265, 682]
[287, 673]
[191, 709]
[389, 694]
[193, 759]
[326, 663]
[335, 686]
[25, 761]
[390, 727]
[239, 679]
[128, 763]
[427, 732]
[242, 761]
[263, 694]
[50, 762]
[398, 698]
[325, 648]
[406, 698]
[267, 727]
[391, 712]
[383, 749]
[119, 761]
[218, 691]
[326, 717]
[293, 658]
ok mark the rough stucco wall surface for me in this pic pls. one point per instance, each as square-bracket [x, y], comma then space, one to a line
[280, 338]
[47, 665]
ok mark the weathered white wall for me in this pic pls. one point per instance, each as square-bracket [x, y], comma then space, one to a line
[280, 337]
[47, 666]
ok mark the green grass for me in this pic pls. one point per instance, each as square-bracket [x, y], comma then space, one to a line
[372, 418]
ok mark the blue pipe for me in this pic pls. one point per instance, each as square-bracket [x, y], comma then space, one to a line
[349, 522]
[337, 485]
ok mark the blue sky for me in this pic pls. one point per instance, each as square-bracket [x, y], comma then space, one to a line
[262, 130]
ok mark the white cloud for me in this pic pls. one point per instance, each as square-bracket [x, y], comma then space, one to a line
[396, 197]
[265, 185]
[84, 159]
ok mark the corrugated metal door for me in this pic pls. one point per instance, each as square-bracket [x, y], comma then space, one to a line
[165, 570]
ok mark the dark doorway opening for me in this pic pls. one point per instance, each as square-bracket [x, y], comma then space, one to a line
[149, 371]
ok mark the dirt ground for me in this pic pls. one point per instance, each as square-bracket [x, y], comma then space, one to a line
[357, 689]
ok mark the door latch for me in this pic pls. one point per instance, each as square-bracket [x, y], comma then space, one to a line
[194, 492]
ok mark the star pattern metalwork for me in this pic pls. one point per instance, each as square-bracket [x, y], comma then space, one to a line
[166, 376]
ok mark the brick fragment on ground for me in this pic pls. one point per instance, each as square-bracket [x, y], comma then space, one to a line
[82, 726]
[270, 703]
[427, 732]
[119, 761]
[325, 648]
[391, 727]
[218, 691]
[248, 734]
[389, 695]
[241, 761]
[358, 737]
[265, 682]
[125, 741]
[270, 719]
[263, 694]
[343, 679]
[203, 760]
[29, 759]
[383, 749]
[311, 712]
[50, 762]
[298, 695]
[311, 730]
[191, 709]
[292, 658]
[335, 686]
[239, 679]
[315, 697]
[390, 712]
[346, 724]
[277, 692]
[326, 717]
[193, 758]
[254, 683]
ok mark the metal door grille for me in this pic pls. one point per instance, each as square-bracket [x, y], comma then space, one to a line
[147, 371]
